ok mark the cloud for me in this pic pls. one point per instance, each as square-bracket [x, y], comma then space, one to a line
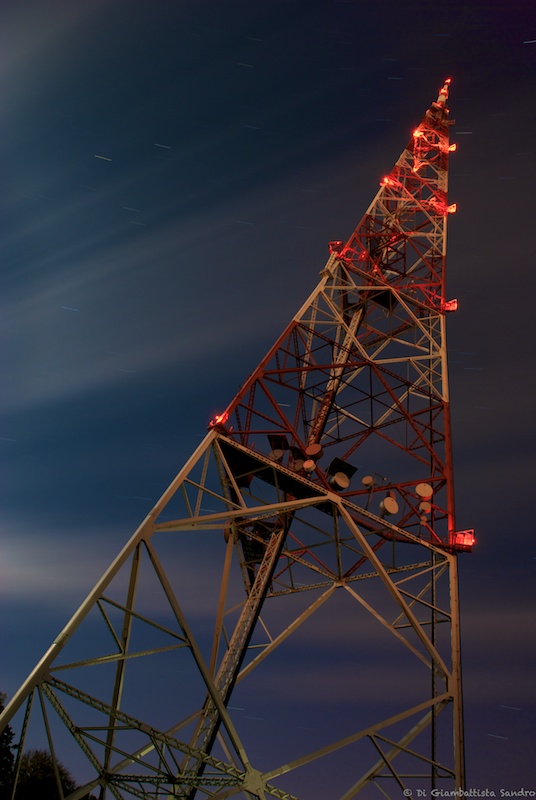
[143, 306]
[59, 571]
[190, 284]
[36, 34]
[40, 567]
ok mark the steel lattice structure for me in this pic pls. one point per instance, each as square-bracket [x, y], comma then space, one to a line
[293, 543]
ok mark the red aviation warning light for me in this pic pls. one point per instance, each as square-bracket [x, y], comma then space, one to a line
[463, 541]
[219, 420]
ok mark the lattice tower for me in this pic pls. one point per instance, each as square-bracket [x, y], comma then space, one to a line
[318, 508]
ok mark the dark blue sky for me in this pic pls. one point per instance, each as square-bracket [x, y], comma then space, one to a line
[172, 173]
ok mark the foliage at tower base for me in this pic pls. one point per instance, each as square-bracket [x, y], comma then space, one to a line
[38, 778]
[6, 755]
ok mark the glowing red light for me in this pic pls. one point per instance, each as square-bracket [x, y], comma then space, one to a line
[452, 208]
[219, 419]
[335, 246]
[463, 540]
[453, 147]
[388, 181]
[449, 305]
[417, 133]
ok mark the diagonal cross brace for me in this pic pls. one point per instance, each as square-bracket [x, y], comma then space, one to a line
[232, 661]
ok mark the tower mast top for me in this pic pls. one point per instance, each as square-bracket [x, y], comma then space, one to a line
[444, 92]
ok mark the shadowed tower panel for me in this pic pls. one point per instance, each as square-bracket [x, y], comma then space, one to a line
[284, 623]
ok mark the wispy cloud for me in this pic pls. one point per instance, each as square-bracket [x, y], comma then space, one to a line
[59, 571]
[40, 567]
[144, 298]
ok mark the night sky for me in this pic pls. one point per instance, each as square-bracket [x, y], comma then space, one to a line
[172, 173]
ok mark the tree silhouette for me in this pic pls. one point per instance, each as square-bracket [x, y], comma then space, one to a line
[6, 755]
[37, 778]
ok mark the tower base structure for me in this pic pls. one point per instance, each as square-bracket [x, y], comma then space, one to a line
[285, 621]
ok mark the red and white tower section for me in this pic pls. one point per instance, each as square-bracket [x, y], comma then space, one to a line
[302, 565]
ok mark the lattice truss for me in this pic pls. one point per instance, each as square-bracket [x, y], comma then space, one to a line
[303, 559]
